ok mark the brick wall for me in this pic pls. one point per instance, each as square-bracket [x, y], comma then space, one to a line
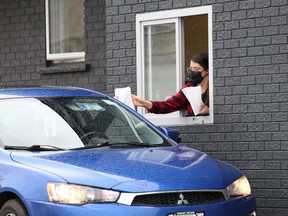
[22, 47]
[250, 86]
[121, 43]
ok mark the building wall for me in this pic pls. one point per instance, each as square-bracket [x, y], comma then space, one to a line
[250, 128]
[22, 47]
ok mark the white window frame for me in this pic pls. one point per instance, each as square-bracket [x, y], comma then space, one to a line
[164, 17]
[59, 57]
[178, 74]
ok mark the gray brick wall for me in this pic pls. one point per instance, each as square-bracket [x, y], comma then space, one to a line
[121, 43]
[250, 87]
[22, 47]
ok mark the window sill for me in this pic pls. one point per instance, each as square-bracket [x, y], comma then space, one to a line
[176, 118]
[181, 121]
[65, 68]
[173, 120]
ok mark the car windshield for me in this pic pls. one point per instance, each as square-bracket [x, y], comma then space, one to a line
[72, 123]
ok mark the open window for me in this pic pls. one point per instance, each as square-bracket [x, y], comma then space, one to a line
[166, 41]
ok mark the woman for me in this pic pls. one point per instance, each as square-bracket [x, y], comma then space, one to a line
[198, 76]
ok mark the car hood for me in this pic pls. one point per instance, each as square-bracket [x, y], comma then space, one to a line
[136, 169]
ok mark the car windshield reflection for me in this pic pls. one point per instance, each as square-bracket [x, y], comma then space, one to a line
[72, 123]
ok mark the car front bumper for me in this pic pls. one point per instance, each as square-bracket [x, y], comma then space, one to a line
[232, 207]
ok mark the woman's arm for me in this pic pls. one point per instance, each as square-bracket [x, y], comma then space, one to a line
[138, 101]
[172, 104]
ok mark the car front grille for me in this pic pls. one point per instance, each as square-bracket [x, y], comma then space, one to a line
[179, 198]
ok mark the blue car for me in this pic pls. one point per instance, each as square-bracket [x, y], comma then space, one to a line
[77, 152]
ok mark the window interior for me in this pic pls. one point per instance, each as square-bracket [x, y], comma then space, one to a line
[65, 30]
[166, 41]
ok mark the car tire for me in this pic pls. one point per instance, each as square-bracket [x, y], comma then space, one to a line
[13, 207]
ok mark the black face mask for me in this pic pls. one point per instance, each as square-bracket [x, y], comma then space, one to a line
[195, 77]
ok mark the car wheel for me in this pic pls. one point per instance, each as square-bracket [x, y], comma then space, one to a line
[13, 207]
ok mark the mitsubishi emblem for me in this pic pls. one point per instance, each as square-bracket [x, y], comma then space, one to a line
[182, 201]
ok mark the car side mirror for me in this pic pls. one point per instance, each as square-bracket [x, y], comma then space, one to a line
[172, 133]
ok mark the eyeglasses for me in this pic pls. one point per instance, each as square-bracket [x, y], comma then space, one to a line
[198, 70]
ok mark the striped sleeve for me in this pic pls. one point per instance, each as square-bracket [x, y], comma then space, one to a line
[176, 102]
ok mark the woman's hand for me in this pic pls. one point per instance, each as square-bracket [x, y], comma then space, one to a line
[204, 110]
[138, 101]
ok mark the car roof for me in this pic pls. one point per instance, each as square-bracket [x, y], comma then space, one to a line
[49, 91]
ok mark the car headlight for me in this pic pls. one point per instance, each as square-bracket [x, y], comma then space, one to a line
[240, 187]
[79, 195]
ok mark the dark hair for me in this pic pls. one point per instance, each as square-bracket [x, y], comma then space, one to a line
[201, 59]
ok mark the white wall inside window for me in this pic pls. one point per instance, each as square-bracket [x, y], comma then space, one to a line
[165, 42]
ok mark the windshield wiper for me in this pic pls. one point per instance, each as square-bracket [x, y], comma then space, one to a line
[107, 143]
[91, 146]
[34, 148]
[138, 144]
